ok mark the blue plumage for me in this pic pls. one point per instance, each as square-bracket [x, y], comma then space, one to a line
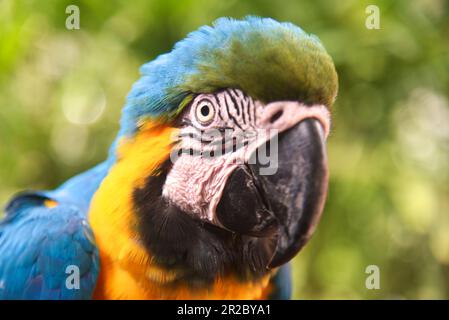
[169, 74]
[38, 243]
[281, 283]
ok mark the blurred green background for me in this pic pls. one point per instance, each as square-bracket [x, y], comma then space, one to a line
[61, 92]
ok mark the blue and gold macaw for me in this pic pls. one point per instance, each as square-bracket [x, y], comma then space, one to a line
[186, 206]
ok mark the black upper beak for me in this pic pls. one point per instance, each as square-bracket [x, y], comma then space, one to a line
[286, 204]
[298, 190]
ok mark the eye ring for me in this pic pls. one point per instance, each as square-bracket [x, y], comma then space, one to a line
[205, 112]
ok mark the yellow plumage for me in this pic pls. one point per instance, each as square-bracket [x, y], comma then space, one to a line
[127, 270]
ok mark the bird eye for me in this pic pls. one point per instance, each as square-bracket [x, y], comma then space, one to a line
[205, 112]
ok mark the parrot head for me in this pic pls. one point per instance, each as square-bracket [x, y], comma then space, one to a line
[237, 116]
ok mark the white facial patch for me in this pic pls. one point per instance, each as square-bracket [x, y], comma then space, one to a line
[220, 132]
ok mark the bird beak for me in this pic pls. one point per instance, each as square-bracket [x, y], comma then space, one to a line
[287, 204]
[297, 191]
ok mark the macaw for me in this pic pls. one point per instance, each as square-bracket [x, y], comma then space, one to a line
[173, 213]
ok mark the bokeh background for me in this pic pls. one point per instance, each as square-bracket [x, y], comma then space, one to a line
[61, 93]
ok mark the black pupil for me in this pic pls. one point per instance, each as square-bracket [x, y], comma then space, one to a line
[205, 110]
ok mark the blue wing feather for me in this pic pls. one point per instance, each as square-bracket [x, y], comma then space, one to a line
[38, 243]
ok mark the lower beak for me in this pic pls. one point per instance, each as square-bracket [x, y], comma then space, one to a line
[286, 204]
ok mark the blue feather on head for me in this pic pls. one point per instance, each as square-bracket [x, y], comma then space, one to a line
[249, 54]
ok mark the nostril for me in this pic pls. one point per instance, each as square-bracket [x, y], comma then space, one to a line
[276, 116]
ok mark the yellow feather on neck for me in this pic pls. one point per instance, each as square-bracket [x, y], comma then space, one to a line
[126, 268]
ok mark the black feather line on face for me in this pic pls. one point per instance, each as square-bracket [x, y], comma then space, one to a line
[197, 251]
